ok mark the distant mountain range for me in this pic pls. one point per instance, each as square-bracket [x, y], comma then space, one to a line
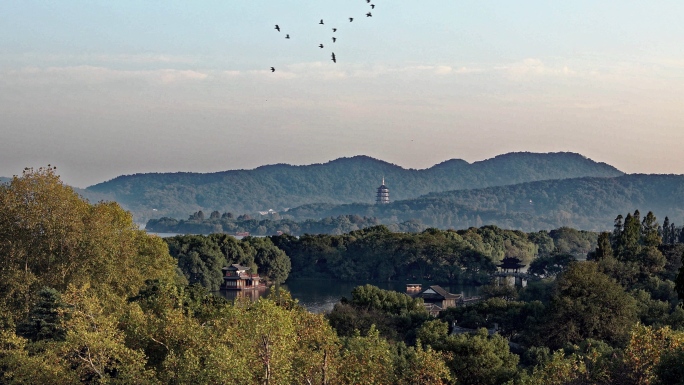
[341, 181]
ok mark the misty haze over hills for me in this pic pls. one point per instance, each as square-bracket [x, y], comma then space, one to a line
[341, 181]
[588, 203]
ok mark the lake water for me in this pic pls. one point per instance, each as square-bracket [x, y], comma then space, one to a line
[319, 296]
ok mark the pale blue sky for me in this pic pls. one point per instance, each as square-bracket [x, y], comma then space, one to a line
[103, 88]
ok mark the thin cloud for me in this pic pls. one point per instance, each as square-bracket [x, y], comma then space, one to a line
[94, 74]
[54, 59]
[533, 67]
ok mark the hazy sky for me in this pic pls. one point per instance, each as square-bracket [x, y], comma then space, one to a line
[104, 88]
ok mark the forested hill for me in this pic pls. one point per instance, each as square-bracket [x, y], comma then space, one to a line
[344, 180]
[582, 203]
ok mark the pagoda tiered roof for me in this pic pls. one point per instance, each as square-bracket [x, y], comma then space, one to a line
[511, 263]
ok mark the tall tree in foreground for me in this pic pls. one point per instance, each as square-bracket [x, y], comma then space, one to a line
[49, 236]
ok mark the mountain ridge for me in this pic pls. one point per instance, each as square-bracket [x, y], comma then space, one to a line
[339, 181]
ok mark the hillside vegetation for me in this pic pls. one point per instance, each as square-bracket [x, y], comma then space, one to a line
[583, 203]
[345, 180]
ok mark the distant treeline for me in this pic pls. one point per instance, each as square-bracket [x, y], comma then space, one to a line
[379, 254]
[273, 225]
[375, 254]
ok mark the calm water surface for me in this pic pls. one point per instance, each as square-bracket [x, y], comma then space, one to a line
[319, 296]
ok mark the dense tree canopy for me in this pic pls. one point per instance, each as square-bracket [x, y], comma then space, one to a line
[51, 237]
[588, 304]
[88, 298]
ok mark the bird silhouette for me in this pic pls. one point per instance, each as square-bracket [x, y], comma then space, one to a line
[369, 15]
[287, 36]
[320, 45]
[321, 22]
[334, 39]
[277, 28]
[372, 6]
[334, 29]
[351, 19]
[367, 1]
[333, 58]
[272, 69]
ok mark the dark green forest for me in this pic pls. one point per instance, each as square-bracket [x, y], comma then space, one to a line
[583, 203]
[88, 298]
[345, 180]
[227, 223]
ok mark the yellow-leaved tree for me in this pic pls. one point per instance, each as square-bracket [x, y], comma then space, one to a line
[50, 236]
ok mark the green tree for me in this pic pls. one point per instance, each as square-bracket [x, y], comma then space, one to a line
[49, 236]
[550, 266]
[433, 332]
[628, 244]
[679, 283]
[46, 319]
[666, 232]
[588, 304]
[670, 369]
[618, 228]
[480, 359]
[649, 231]
[603, 248]
[315, 358]
[558, 370]
[272, 262]
[425, 366]
[367, 360]
[200, 258]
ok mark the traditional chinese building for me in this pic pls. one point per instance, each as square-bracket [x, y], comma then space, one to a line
[511, 264]
[510, 272]
[236, 277]
[382, 196]
[434, 297]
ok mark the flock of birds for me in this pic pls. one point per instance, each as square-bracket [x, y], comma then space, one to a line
[334, 39]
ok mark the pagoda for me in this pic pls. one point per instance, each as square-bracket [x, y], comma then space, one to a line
[511, 264]
[382, 196]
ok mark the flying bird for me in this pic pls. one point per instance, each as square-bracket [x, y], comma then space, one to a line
[333, 58]
[372, 6]
[369, 15]
[367, 1]
[334, 29]
[334, 39]
[321, 22]
[287, 36]
[277, 28]
[320, 45]
[351, 19]
[272, 69]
